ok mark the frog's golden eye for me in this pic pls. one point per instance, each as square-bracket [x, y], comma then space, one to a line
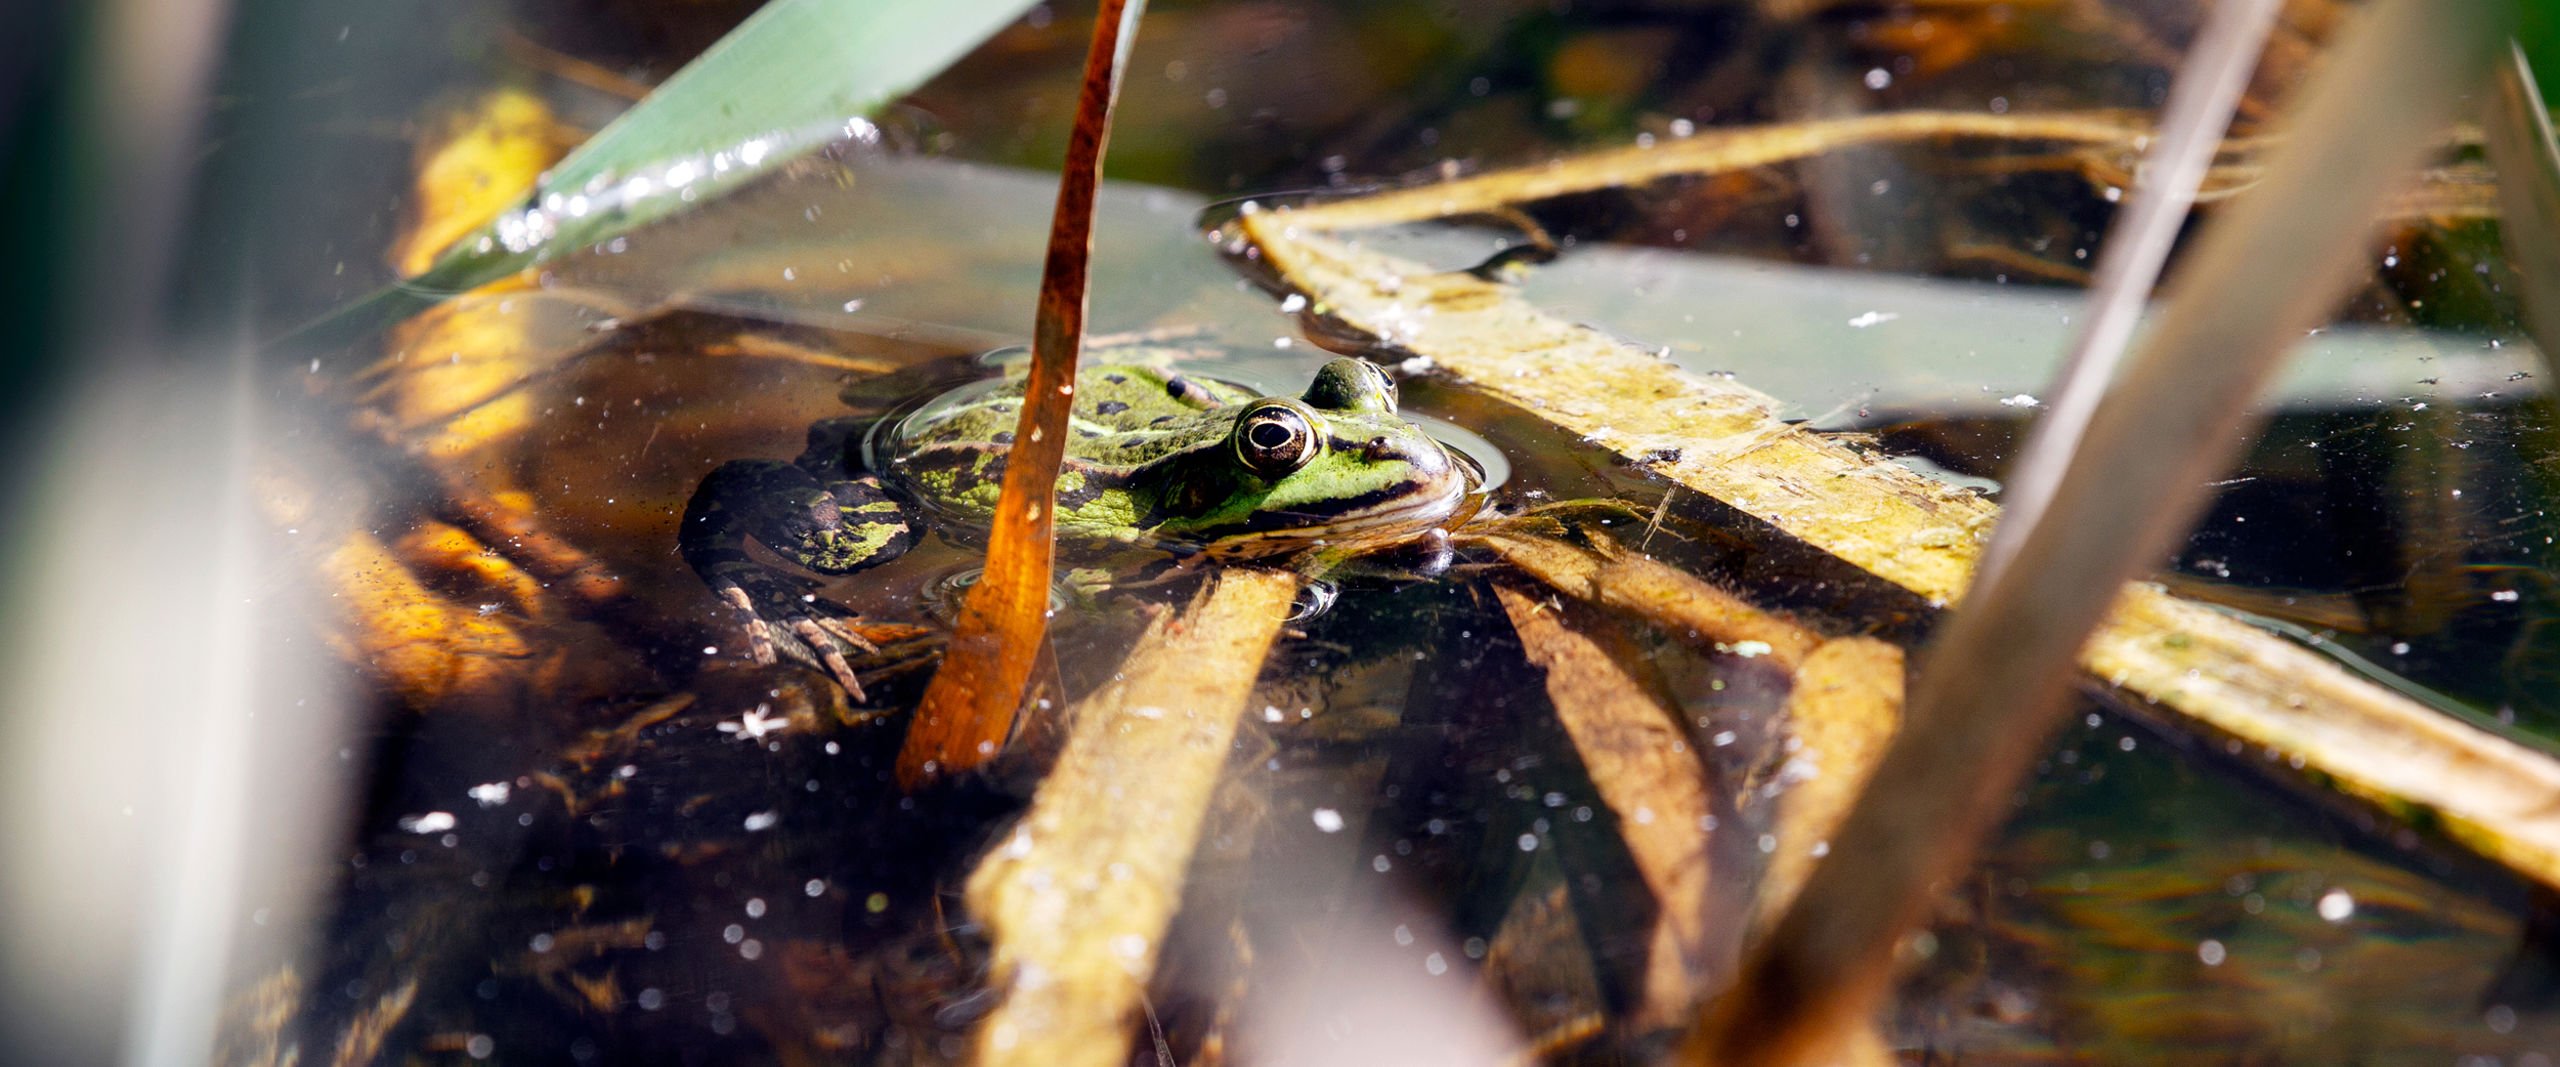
[1275, 440]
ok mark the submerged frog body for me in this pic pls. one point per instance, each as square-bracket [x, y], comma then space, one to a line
[1153, 457]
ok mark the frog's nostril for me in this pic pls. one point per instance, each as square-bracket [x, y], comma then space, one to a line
[1378, 448]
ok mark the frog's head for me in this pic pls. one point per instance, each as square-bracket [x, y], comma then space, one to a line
[1331, 464]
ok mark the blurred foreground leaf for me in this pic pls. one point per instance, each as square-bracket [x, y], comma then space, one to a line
[797, 75]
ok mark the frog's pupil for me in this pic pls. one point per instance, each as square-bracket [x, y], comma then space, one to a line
[1270, 435]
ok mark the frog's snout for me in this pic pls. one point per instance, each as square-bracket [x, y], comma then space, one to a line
[1427, 457]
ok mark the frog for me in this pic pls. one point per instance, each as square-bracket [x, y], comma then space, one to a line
[1194, 466]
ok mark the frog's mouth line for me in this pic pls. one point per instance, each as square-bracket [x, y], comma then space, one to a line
[1408, 516]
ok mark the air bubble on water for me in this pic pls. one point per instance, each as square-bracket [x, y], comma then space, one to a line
[433, 822]
[2336, 906]
[1328, 820]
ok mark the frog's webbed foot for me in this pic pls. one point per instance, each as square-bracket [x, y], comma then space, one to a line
[833, 527]
[780, 618]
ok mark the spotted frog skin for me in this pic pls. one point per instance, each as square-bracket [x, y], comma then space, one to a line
[1153, 457]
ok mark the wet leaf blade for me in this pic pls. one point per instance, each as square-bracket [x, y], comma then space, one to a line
[968, 710]
[1616, 712]
[1712, 152]
[792, 75]
[1078, 882]
[1608, 575]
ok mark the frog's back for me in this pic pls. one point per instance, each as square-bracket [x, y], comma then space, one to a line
[1112, 400]
[1130, 397]
[1125, 416]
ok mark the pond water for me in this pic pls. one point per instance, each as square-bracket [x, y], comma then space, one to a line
[687, 858]
[581, 824]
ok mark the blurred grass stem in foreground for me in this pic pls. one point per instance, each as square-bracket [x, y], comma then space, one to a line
[2200, 105]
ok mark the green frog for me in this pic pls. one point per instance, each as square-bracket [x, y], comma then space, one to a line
[1191, 465]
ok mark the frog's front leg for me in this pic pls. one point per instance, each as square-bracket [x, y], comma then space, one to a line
[832, 526]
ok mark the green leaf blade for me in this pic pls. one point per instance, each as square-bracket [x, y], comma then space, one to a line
[795, 76]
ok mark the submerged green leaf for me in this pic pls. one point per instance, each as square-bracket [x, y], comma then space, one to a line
[795, 76]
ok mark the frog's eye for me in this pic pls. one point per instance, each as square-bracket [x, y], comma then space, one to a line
[1386, 385]
[1348, 384]
[1275, 440]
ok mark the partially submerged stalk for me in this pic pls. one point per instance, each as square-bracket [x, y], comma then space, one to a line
[968, 710]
